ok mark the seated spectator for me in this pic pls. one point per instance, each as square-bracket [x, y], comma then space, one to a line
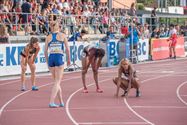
[155, 33]
[146, 33]
[77, 36]
[162, 32]
[3, 34]
[110, 33]
[124, 30]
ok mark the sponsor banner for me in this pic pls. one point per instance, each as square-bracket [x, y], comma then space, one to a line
[10, 57]
[160, 48]
[111, 48]
[143, 49]
[185, 46]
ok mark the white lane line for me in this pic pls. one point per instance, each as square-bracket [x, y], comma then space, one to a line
[141, 117]
[15, 97]
[130, 108]
[183, 95]
[33, 109]
[70, 97]
[76, 108]
[112, 123]
[14, 81]
[95, 108]
[160, 107]
[178, 94]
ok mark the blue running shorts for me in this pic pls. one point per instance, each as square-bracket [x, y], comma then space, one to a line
[55, 59]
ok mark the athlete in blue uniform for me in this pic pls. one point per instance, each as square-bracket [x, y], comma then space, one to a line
[55, 43]
[28, 56]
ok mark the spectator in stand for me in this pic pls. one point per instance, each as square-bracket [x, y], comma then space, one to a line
[26, 8]
[177, 27]
[132, 10]
[105, 20]
[77, 36]
[146, 33]
[110, 33]
[153, 18]
[4, 36]
[134, 34]
[155, 33]
[124, 30]
[162, 32]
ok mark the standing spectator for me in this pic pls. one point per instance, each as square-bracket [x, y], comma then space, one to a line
[132, 10]
[26, 9]
[153, 18]
[105, 20]
[134, 38]
[172, 41]
[177, 27]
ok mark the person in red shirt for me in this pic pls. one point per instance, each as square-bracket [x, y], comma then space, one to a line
[172, 41]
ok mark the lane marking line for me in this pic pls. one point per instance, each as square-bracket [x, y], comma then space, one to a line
[183, 95]
[112, 123]
[130, 108]
[70, 97]
[160, 107]
[15, 97]
[178, 94]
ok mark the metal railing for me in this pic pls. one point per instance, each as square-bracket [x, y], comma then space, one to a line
[38, 24]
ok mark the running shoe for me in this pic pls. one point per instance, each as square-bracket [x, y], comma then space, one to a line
[34, 88]
[53, 105]
[85, 91]
[99, 90]
[61, 105]
[23, 88]
[138, 94]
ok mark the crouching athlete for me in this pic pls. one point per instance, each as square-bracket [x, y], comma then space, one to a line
[129, 80]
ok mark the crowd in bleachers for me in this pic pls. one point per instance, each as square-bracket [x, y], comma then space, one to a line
[32, 17]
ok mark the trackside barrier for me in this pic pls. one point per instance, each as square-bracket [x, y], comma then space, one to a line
[143, 50]
[160, 48]
[10, 58]
[116, 50]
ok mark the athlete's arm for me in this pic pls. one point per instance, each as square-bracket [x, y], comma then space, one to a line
[67, 50]
[35, 55]
[26, 54]
[130, 77]
[119, 80]
[46, 48]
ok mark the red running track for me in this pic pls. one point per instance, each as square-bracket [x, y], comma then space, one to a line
[163, 100]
